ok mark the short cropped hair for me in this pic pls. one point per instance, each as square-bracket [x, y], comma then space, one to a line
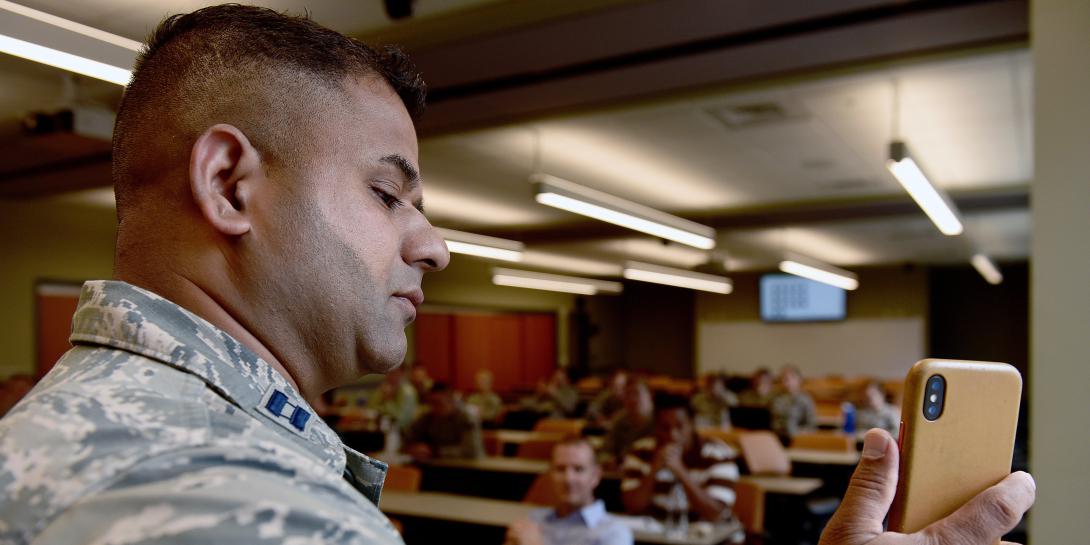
[269, 74]
[577, 441]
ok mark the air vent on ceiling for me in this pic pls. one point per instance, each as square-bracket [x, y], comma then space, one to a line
[740, 116]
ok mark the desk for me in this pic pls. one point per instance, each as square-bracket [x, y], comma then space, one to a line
[521, 436]
[822, 457]
[499, 513]
[510, 440]
[788, 486]
[794, 486]
[453, 507]
[499, 464]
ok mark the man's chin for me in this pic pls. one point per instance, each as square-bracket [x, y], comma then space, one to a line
[383, 361]
[382, 368]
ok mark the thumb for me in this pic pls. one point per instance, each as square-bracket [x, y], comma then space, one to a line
[869, 495]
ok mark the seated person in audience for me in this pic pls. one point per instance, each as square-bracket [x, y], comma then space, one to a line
[761, 390]
[609, 401]
[875, 412]
[792, 409]
[577, 518]
[676, 457]
[635, 420]
[485, 403]
[556, 398]
[395, 399]
[711, 405]
[421, 380]
[445, 431]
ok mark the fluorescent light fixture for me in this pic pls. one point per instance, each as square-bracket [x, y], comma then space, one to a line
[552, 282]
[65, 61]
[813, 269]
[646, 272]
[51, 40]
[571, 264]
[934, 201]
[565, 195]
[73, 26]
[461, 242]
[987, 269]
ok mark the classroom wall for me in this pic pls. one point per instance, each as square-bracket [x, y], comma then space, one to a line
[883, 335]
[971, 319]
[1060, 299]
[466, 284]
[45, 240]
[648, 327]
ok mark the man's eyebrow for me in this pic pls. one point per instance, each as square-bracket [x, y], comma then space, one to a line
[406, 168]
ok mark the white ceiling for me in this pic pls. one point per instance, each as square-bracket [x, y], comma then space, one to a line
[967, 119]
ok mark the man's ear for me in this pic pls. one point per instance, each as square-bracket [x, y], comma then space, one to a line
[223, 169]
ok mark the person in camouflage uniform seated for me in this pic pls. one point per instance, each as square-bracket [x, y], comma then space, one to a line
[793, 409]
[270, 247]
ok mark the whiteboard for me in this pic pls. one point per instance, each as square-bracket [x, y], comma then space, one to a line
[882, 347]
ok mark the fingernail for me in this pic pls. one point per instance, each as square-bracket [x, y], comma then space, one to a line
[874, 445]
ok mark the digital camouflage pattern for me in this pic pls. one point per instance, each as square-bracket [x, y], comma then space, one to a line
[157, 427]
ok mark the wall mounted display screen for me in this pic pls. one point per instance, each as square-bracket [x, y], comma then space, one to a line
[789, 298]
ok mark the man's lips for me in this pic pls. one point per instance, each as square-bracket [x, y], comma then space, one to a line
[413, 296]
[411, 299]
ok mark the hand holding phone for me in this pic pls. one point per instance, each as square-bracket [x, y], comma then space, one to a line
[958, 423]
[982, 520]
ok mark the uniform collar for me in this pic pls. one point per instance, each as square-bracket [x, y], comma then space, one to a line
[591, 514]
[123, 316]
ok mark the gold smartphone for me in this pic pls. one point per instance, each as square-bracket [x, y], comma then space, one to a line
[958, 423]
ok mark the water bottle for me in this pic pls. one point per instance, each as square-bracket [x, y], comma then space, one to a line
[391, 438]
[849, 417]
[677, 512]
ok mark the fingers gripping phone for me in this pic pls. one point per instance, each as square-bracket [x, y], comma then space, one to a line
[958, 422]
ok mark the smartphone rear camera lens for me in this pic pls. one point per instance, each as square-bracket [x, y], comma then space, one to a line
[934, 398]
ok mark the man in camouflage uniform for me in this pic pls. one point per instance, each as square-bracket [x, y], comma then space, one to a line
[793, 409]
[271, 244]
[159, 426]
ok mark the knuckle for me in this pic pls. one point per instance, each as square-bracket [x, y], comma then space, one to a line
[868, 482]
[1001, 508]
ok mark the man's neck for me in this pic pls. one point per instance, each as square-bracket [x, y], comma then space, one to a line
[192, 297]
[566, 509]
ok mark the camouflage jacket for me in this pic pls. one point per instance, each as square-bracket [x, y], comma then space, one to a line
[157, 427]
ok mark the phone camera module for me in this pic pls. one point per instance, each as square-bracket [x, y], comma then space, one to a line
[935, 397]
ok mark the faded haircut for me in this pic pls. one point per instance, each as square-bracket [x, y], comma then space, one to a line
[577, 441]
[273, 76]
